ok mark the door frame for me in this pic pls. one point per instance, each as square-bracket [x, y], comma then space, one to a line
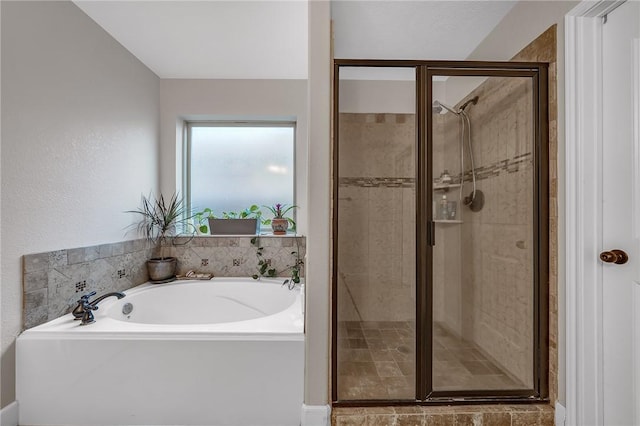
[583, 203]
[425, 239]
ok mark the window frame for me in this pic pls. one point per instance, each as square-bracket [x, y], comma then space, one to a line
[187, 136]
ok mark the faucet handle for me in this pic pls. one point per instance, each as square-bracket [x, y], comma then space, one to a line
[88, 306]
[86, 297]
[80, 308]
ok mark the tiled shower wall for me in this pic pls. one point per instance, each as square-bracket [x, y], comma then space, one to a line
[53, 281]
[376, 221]
[483, 278]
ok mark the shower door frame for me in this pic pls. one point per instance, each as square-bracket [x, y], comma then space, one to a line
[425, 230]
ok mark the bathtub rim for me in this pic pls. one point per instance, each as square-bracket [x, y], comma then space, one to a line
[286, 325]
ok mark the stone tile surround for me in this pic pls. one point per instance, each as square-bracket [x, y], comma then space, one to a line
[236, 256]
[53, 281]
[484, 415]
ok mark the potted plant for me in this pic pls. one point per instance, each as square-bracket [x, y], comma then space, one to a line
[244, 222]
[280, 222]
[159, 221]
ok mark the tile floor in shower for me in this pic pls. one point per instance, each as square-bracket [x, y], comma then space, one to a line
[376, 360]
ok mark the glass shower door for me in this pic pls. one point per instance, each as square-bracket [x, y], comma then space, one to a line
[483, 212]
[375, 211]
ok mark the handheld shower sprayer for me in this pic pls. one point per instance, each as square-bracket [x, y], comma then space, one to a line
[475, 200]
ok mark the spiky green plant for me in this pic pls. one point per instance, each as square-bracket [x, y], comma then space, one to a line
[160, 219]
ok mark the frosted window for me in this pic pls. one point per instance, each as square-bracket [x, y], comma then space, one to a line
[233, 167]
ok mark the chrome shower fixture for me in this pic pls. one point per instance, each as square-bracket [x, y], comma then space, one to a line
[464, 106]
[438, 106]
[475, 200]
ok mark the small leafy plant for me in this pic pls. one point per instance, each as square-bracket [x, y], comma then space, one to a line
[202, 220]
[248, 213]
[266, 270]
[279, 212]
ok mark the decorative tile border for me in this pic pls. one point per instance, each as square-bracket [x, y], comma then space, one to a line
[494, 169]
[502, 166]
[378, 182]
[53, 281]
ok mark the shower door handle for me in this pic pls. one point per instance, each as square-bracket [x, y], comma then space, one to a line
[431, 233]
[617, 256]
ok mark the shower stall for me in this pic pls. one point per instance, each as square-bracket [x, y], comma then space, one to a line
[440, 272]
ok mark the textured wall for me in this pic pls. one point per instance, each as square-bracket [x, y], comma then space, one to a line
[79, 142]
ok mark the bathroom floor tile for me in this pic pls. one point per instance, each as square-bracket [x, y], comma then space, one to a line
[376, 360]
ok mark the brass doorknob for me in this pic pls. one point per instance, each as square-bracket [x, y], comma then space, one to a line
[616, 256]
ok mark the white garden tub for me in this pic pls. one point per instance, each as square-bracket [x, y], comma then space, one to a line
[229, 351]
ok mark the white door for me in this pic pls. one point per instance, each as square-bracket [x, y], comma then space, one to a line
[620, 215]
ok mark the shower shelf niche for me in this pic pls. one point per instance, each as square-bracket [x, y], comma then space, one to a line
[447, 221]
[445, 186]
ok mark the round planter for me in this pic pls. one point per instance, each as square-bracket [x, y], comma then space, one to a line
[279, 226]
[161, 269]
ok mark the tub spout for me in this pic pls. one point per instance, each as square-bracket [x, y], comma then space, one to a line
[84, 308]
[117, 294]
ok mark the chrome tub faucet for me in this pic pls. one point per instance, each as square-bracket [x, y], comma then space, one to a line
[83, 311]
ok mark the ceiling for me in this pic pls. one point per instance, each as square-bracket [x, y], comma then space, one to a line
[209, 39]
[267, 39]
[448, 30]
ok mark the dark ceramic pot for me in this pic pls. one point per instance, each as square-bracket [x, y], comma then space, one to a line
[161, 269]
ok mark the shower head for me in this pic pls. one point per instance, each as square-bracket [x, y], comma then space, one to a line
[437, 107]
[473, 100]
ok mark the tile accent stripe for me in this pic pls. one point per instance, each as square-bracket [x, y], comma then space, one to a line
[378, 182]
[494, 169]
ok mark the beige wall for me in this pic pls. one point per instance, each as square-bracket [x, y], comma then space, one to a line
[79, 143]
[182, 100]
[318, 271]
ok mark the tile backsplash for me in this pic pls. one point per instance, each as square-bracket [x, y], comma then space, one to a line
[237, 256]
[53, 281]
